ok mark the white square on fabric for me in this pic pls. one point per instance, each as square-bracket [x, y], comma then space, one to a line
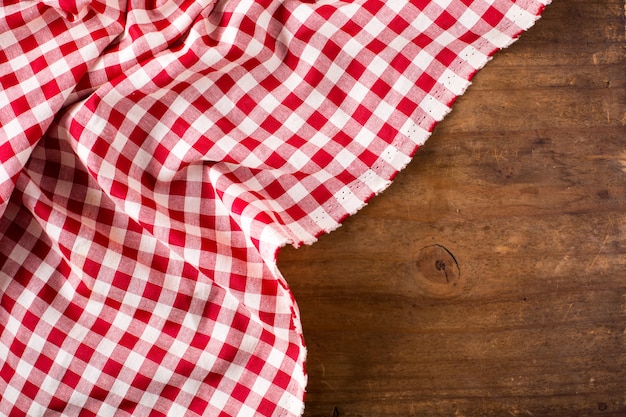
[148, 399]
[161, 220]
[315, 99]
[108, 410]
[93, 307]
[254, 47]
[91, 374]
[49, 385]
[423, 59]
[252, 160]
[220, 331]
[100, 286]
[10, 394]
[383, 110]
[18, 255]
[223, 105]
[422, 22]
[41, 113]
[206, 360]
[248, 126]
[226, 144]
[107, 171]
[415, 132]
[293, 81]
[132, 208]
[178, 348]
[473, 56]
[289, 402]
[345, 158]
[364, 137]
[5, 177]
[134, 361]
[347, 199]
[119, 388]
[469, 18]
[82, 245]
[445, 38]
[497, 38]
[219, 399]
[193, 205]
[247, 411]
[359, 92]
[36, 343]
[334, 73]
[151, 334]
[434, 107]
[443, 3]
[12, 129]
[142, 159]
[20, 61]
[271, 235]
[269, 103]
[453, 82]
[235, 371]
[310, 54]
[322, 218]
[247, 82]
[353, 47]
[132, 112]
[302, 12]
[51, 316]
[36, 408]
[143, 76]
[374, 26]
[521, 17]
[377, 66]
[190, 386]
[78, 399]
[261, 385]
[192, 254]
[297, 192]
[298, 160]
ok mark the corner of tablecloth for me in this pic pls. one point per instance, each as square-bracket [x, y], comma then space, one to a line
[414, 135]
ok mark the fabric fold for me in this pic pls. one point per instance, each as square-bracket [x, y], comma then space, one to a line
[43, 56]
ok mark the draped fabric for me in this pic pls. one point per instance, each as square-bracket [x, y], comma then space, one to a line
[154, 157]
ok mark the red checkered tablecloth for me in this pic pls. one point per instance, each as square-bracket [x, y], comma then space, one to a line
[154, 157]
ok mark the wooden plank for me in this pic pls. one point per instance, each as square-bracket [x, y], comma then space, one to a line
[489, 280]
[553, 76]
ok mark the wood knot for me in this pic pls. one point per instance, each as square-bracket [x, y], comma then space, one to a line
[438, 271]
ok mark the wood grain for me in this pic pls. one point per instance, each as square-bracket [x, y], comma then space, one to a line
[490, 278]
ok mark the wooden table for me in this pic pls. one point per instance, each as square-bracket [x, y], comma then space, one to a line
[490, 278]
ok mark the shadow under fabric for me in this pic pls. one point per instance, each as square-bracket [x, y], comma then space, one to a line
[154, 157]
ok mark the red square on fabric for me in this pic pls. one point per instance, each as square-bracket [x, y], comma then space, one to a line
[20, 105]
[492, 16]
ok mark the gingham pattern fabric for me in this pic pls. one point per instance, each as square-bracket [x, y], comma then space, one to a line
[154, 156]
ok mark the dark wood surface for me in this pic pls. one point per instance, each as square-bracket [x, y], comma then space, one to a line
[490, 278]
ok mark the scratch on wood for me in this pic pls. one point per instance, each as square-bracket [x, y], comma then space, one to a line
[558, 268]
[566, 313]
[598, 254]
[328, 385]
